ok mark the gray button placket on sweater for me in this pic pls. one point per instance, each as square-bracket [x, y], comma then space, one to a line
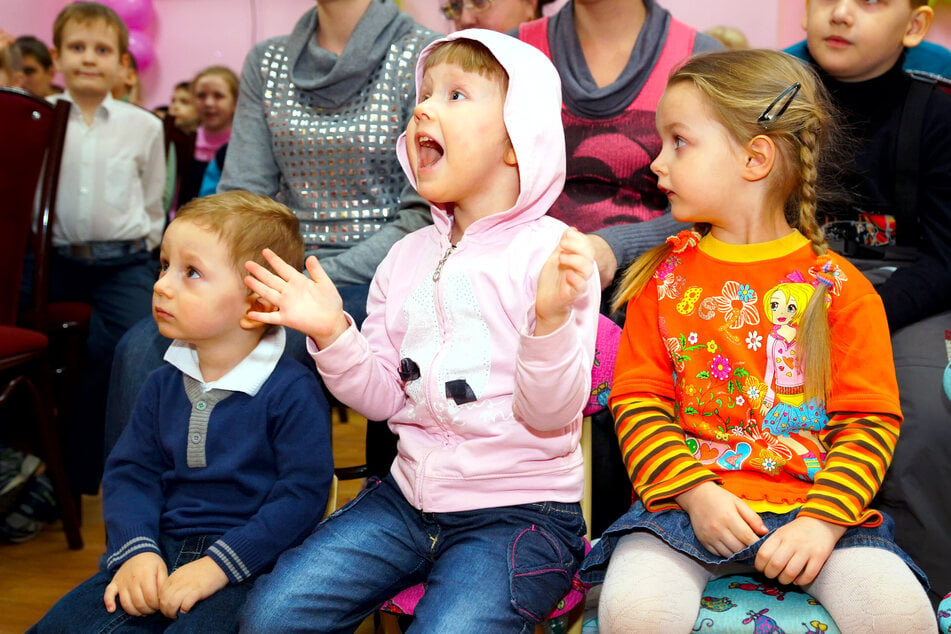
[202, 404]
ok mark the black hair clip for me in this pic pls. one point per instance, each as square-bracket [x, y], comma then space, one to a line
[789, 94]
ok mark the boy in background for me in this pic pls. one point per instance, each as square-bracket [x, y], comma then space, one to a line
[226, 461]
[109, 209]
[38, 69]
[898, 232]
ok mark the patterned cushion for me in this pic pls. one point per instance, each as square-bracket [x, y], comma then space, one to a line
[944, 614]
[752, 604]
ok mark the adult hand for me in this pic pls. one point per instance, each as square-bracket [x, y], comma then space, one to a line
[722, 522]
[604, 258]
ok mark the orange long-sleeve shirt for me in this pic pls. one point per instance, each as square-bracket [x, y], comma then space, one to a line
[707, 386]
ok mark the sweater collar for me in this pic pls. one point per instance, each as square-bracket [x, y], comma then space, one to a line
[743, 253]
[579, 91]
[248, 376]
[334, 80]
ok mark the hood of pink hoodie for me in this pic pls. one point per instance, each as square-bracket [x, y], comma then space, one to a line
[532, 113]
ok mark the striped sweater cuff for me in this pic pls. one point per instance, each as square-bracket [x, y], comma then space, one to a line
[130, 548]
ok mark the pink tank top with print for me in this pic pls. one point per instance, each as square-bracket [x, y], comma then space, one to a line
[608, 179]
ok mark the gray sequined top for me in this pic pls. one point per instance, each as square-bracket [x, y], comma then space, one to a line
[328, 150]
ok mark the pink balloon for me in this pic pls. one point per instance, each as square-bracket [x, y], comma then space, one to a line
[137, 14]
[140, 46]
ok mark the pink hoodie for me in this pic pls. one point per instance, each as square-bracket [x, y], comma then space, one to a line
[487, 414]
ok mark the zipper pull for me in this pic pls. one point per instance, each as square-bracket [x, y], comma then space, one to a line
[442, 260]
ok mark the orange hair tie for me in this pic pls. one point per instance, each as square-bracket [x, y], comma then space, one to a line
[684, 240]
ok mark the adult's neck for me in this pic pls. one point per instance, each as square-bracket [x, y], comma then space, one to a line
[607, 31]
[336, 21]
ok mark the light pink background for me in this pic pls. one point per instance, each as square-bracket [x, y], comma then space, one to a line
[191, 34]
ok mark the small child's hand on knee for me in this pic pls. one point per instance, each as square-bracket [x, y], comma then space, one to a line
[137, 583]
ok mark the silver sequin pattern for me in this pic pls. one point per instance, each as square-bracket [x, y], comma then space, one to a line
[339, 169]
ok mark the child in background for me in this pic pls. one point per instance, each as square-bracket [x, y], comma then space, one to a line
[127, 87]
[226, 461]
[109, 213]
[477, 349]
[11, 66]
[897, 231]
[721, 486]
[38, 69]
[182, 107]
[215, 90]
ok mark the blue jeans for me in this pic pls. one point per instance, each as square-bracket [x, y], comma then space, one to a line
[489, 570]
[142, 350]
[82, 609]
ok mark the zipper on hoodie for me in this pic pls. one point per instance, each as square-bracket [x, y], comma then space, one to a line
[442, 261]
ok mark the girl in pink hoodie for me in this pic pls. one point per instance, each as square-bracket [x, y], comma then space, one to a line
[477, 348]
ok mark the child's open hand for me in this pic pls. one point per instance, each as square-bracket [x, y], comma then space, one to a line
[722, 522]
[796, 552]
[190, 584]
[137, 583]
[563, 279]
[312, 306]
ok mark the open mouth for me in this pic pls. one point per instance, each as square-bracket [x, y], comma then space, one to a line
[428, 151]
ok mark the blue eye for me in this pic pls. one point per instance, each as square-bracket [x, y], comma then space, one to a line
[455, 95]
[192, 273]
[679, 142]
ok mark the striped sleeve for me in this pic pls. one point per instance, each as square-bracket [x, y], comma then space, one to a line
[658, 461]
[860, 450]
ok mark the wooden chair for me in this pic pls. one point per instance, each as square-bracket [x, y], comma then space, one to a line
[31, 138]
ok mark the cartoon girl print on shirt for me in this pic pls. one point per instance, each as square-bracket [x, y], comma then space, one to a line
[786, 413]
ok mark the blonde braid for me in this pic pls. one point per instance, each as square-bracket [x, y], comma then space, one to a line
[808, 205]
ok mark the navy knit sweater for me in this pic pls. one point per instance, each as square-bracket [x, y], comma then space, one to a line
[264, 486]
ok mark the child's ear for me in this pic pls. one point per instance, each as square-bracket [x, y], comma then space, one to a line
[760, 157]
[918, 25]
[257, 304]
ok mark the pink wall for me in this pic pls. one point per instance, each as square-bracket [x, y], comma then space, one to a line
[191, 34]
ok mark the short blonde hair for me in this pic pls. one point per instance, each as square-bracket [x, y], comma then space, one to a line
[248, 224]
[85, 13]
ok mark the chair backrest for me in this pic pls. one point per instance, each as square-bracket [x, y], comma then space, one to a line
[32, 132]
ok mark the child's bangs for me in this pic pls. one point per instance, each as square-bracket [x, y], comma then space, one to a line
[471, 56]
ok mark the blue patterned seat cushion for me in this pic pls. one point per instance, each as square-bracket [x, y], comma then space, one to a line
[752, 604]
[944, 610]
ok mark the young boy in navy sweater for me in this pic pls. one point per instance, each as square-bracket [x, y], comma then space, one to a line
[226, 461]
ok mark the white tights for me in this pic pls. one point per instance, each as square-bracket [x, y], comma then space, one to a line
[650, 587]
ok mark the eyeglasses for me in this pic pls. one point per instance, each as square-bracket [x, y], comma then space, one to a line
[789, 94]
[453, 8]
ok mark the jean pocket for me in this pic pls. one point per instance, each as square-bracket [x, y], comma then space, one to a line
[541, 572]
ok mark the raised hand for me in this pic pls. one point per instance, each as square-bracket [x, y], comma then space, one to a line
[722, 522]
[310, 305]
[796, 552]
[190, 584]
[137, 583]
[563, 279]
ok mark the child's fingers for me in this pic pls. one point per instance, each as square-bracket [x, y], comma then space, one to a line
[109, 597]
[268, 293]
[263, 275]
[282, 268]
[272, 318]
[315, 270]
